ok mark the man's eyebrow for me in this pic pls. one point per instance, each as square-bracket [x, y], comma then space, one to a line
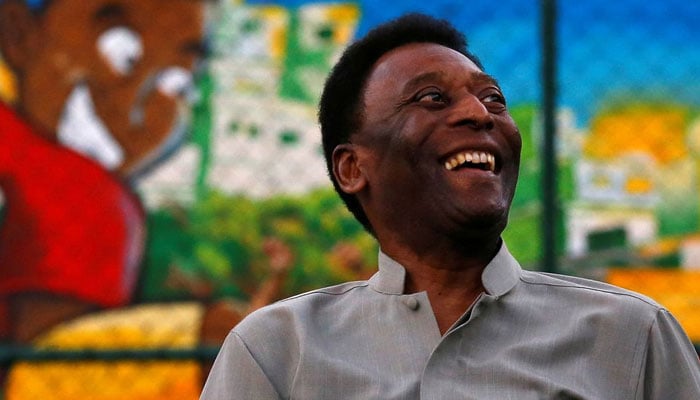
[422, 79]
[433, 76]
[482, 77]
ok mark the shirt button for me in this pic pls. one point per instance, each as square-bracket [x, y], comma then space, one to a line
[410, 302]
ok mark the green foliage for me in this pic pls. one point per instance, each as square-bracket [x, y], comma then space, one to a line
[215, 247]
[523, 234]
[528, 189]
[524, 116]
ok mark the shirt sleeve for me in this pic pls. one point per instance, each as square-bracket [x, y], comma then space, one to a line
[672, 368]
[237, 375]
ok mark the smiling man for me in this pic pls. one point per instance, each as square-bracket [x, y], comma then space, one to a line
[101, 86]
[422, 149]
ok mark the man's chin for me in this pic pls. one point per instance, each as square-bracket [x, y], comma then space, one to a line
[481, 227]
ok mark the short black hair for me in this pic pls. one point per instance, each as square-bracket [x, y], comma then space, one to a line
[340, 110]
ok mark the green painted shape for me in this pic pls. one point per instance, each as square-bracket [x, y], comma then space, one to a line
[202, 128]
[300, 60]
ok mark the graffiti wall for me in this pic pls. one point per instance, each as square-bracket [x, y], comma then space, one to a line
[161, 172]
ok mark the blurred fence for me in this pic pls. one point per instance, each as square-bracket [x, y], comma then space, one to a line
[628, 114]
[607, 99]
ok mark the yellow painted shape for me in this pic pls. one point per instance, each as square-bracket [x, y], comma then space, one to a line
[661, 247]
[346, 17]
[147, 326]
[277, 20]
[638, 185]
[150, 325]
[175, 380]
[677, 290]
[656, 131]
[8, 84]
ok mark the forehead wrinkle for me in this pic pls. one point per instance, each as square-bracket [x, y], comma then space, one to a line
[426, 77]
[477, 77]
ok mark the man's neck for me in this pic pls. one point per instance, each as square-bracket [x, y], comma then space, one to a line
[450, 275]
[448, 298]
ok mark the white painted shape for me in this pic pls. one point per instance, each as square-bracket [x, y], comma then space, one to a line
[82, 130]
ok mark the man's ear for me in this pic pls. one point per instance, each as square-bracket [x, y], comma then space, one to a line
[18, 33]
[347, 170]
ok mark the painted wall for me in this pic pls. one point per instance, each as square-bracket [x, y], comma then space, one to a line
[160, 161]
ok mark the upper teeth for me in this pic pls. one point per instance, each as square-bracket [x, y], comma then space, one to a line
[474, 157]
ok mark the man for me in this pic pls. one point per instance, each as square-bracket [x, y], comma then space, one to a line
[100, 90]
[422, 149]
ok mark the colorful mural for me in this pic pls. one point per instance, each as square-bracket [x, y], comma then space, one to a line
[161, 173]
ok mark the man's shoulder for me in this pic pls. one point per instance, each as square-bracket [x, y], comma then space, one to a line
[296, 311]
[342, 289]
[577, 288]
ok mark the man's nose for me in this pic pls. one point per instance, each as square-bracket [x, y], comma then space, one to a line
[469, 111]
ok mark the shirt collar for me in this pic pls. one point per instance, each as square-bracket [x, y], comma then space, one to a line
[500, 275]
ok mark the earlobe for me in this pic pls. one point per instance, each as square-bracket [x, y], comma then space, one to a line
[347, 169]
[18, 37]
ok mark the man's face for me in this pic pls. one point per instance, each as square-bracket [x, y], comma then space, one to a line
[440, 151]
[106, 77]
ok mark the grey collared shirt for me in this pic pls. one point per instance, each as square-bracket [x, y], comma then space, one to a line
[529, 336]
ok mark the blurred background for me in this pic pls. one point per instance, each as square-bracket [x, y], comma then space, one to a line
[161, 173]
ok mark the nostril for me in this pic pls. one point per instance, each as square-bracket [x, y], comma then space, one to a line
[476, 123]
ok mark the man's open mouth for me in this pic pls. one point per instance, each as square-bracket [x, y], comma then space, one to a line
[482, 160]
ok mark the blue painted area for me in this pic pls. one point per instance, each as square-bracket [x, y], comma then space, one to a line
[32, 3]
[504, 35]
[607, 49]
[628, 49]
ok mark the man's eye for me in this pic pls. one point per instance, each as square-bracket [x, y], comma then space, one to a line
[494, 98]
[430, 97]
